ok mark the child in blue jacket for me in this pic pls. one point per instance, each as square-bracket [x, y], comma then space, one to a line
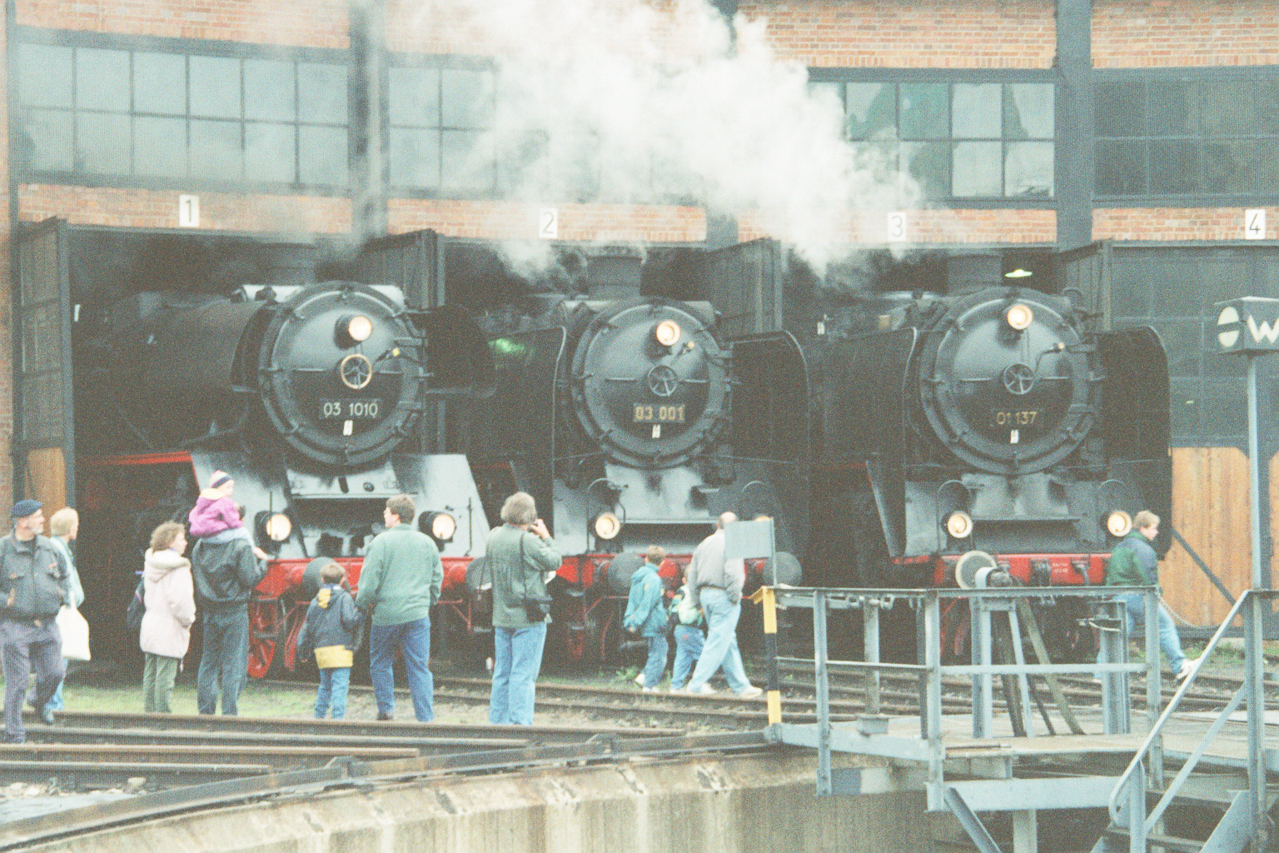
[329, 633]
[646, 615]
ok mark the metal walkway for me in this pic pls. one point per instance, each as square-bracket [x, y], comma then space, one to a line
[982, 762]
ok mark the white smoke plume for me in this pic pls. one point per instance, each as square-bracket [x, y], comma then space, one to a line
[624, 101]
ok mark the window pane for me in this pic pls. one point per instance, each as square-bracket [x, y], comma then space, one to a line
[48, 140]
[271, 90]
[1237, 166]
[467, 162]
[322, 93]
[1028, 113]
[215, 150]
[160, 83]
[322, 156]
[1121, 168]
[102, 143]
[872, 107]
[466, 98]
[160, 147]
[45, 75]
[1174, 109]
[415, 97]
[924, 112]
[978, 169]
[977, 111]
[102, 79]
[415, 158]
[1228, 108]
[1174, 166]
[215, 87]
[270, 153]
[1121, 109]
[929, 164]
[1268, 106]
[1028, 171]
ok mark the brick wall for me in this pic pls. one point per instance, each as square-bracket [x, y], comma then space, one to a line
[911, 33]
[1181, 33]
[314, 23]
[133, 208]
[1177, 223]
[936, 226]
[577, 222]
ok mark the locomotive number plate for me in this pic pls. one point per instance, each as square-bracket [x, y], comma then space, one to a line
[646, 414]
[350, 410]
[1006, 418]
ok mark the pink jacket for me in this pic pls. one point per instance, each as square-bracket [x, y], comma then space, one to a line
[170, 601]
[213, 513]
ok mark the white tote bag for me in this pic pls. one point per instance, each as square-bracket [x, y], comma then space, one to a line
[75, 634]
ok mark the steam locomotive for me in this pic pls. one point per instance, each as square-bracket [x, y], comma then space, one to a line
[996, 423]
[309, 395]
[633, 423]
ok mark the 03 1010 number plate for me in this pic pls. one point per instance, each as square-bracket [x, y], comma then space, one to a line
[1014, 418]
[647, 414]
[350, 410]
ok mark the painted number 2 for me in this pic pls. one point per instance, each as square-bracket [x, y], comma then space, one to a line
[548, 223]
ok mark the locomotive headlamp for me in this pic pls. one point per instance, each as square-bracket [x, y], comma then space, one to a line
[440, 526]
[278, 527]
[667, 333]
[354, 329]
[1019, 316]
[959, 524]
[607, 525]
[1118, 523]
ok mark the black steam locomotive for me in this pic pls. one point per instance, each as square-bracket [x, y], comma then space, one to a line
[310, 396]
[996, 421]
[633, 423]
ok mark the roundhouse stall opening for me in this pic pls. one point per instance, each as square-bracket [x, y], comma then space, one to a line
[961, 410]
[317, 397]
[621, 408]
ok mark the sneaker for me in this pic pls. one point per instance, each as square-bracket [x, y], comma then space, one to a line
[679, 689]
[639, 679]
[704, 690]
[649, 690]
[46, 715]
[750, 692]
[383, 715]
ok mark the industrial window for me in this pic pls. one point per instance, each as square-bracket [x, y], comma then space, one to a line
[110, 113]
[1198, 135]
[439, 122]
[981, 140]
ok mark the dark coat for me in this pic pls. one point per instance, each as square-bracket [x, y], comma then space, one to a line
[329, 629]
[33, 579]
[225, 573]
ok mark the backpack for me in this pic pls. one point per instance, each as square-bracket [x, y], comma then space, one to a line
[137, 607]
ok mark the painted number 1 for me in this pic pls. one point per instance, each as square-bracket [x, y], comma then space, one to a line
[548, 223]
[188, 211]
[1254, 224]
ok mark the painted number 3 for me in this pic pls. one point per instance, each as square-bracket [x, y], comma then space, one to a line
[897, 227]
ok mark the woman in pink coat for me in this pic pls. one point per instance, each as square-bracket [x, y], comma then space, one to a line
[170, 610]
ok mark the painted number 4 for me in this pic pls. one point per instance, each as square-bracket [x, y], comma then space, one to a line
[1254, 224]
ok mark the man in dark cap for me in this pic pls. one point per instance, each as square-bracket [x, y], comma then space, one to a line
[33, 587]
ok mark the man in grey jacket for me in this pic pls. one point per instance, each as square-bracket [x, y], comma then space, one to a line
[715, 584]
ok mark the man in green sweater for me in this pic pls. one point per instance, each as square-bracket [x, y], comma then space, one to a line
[399, 582]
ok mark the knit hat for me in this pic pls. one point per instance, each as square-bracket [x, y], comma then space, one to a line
[219, 479]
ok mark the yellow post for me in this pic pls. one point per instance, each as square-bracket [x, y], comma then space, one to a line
[764, 596]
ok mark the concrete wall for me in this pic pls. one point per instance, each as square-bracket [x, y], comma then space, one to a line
[732, 805]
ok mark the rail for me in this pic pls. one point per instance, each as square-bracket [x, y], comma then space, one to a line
[1130, 791]
[984, 603]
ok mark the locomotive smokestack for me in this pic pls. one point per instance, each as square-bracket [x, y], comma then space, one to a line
[613, 275]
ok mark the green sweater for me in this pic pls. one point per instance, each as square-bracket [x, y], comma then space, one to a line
[401, 577]
[519, 563]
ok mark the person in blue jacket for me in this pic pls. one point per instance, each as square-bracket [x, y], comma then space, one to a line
[329, 633]
[646, 616]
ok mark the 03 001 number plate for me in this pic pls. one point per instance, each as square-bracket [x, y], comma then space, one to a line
[646, 414]
[350, 410]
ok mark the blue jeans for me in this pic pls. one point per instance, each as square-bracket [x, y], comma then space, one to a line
[657, 649]
[720, 650]
[414, 642]
[517, 659]
[689, 641]
[1135, 606]
[26, 648]
[334, 683]
[224, 663]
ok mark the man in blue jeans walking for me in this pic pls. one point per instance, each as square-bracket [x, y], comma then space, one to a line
[399, 583]
[716, 585]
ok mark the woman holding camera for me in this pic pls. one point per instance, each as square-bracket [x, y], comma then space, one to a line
[522, 557]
